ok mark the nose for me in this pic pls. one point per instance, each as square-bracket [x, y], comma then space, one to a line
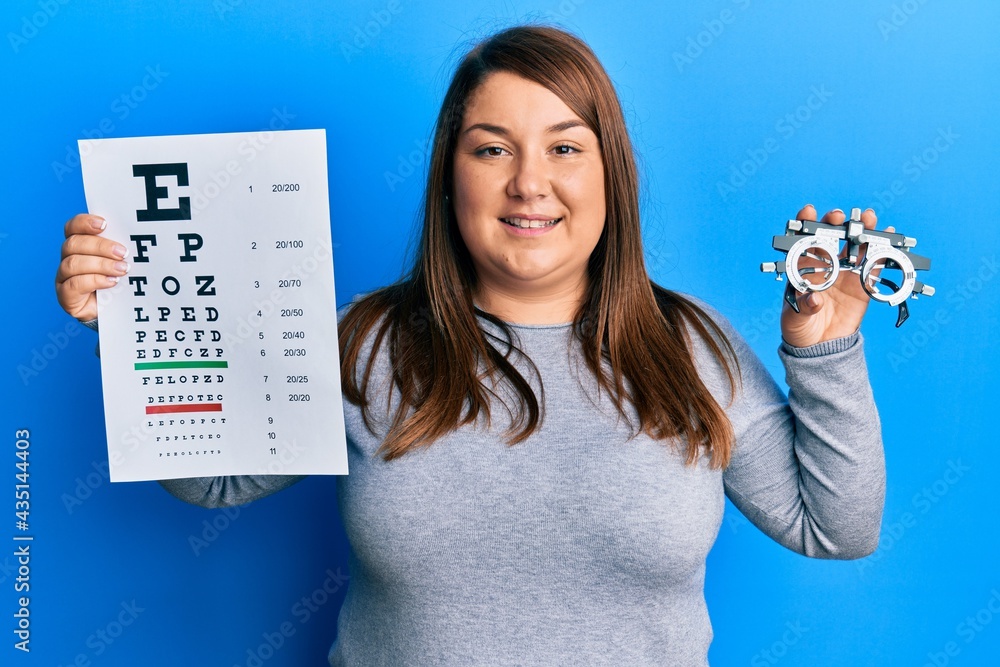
[529, 178]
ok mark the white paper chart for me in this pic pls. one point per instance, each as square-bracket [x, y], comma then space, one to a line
[219, 346]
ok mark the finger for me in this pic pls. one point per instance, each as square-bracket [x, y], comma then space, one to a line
[78, 295]
[83, 244]
[869, 218]
[84, 223]
[78, 265]
[807, 212]
[870, 221]
[78, 288]
[809, 303]
[834, 217]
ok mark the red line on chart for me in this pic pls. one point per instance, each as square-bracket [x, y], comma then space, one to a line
[187, 407]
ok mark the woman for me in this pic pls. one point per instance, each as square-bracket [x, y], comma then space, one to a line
[540, 439]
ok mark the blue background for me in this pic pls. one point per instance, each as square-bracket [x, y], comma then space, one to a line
[907, 99]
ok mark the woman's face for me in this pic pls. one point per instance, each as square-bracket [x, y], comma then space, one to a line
[529, 190]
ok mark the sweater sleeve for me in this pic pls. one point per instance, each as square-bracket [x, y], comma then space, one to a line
[220, 491]
[809, 470]
[227, 491]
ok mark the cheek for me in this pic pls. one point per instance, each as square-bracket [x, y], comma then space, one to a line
[583, 191]
[470, 234]
[595, 189]
[472, 191]
[475, 203]
[470, 229]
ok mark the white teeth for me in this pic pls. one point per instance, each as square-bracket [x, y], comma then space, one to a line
[530, 224]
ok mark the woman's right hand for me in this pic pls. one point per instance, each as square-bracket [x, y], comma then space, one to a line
[89, 263]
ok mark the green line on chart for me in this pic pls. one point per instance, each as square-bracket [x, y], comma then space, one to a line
[156, 365]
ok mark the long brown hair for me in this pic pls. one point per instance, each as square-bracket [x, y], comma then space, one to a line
[634, 334]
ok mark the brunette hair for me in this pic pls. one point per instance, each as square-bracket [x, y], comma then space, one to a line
[634, 334]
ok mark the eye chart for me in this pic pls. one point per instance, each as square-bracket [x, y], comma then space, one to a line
[219, 346]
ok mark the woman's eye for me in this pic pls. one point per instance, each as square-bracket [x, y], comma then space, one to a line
[491, 151]
[564, 150]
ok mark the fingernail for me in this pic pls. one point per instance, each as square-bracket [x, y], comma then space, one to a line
[808, 206]
[869, 210]
[112, 280]
[122, 266]
[836, 210]
[98, 223]
[119, 250]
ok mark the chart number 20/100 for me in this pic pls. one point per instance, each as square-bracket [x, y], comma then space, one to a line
[283, 245]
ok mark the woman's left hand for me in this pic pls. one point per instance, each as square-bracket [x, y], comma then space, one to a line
[832, 313]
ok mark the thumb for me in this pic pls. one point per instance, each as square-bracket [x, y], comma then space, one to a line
[810, 303]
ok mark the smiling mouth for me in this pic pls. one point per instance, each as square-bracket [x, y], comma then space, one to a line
[523, 223]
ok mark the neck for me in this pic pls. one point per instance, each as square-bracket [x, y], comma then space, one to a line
[531, 307]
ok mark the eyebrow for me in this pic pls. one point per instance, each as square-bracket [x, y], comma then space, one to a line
[502, 131]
